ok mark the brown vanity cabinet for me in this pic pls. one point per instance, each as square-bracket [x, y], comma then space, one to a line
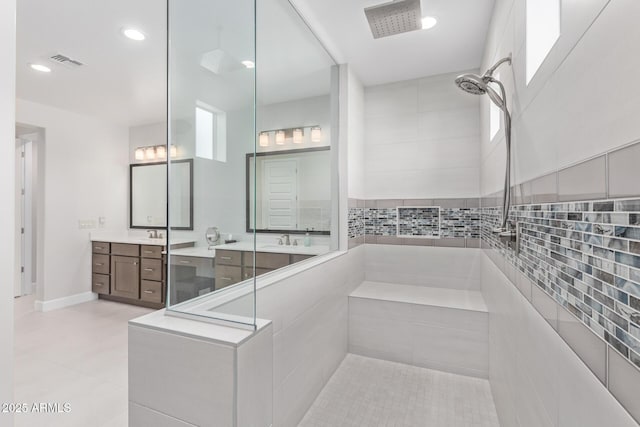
[235, 266]
[129, 273]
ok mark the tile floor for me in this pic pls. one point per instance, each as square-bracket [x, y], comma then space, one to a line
[76, 355]
[368, 392]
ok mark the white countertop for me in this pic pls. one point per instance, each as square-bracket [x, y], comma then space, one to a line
[135, 240]
[198, 252]
[275, 248]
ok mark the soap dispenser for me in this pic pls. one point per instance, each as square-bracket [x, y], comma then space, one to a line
[307, 239]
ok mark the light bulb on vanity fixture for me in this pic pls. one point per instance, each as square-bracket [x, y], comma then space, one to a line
[297, 136]
[263, 139]
[316, 134]
[150, 153]
[280, 137]
[161, 152]
[139, 154]
[173, 151]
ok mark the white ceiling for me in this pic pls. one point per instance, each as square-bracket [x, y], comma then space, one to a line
[122, 81]
[456, 43]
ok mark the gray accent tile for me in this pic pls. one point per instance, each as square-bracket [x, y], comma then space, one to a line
[457, 242]
[352, 203]
[624, 173]
[389, 240]
[545, 189]
[473, 202]
[418, 242]
[584, 181]
[524, 285]
[545, 305]
[624, 383]
[591, 349]
[472, 243]
[449, 203]
[370, 204]
[389, 203]
[418, 202]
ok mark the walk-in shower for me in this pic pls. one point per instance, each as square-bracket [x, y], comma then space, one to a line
[480, 85]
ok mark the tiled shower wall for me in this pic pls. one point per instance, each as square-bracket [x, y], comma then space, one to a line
[579, 262]
[423, 222]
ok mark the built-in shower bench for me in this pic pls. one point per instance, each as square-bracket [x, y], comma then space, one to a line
[438, 328]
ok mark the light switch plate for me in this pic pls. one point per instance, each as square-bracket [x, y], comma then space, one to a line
[86, 224]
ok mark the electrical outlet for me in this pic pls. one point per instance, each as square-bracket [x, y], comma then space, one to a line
[102, 221]
[86, 224]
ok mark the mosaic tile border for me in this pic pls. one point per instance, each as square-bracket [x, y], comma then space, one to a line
[585, 257]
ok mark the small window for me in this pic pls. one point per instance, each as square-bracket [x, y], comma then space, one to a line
[494, 115]
[211, 133]
[543, 30]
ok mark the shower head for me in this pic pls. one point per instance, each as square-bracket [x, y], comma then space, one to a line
[479, 85]
[472, 83]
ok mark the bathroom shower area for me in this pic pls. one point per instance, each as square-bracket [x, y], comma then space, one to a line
[449, 246]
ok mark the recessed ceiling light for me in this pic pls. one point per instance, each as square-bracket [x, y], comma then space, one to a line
[428, 22]
[249, 64]
[41, 68]
[133, 34]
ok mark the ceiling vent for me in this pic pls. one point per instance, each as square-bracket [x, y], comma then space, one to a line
[393, 18]
[65, 60]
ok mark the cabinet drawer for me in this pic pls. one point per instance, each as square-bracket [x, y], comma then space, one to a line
[247, 272]
[100, 283]
[151, 269]
[125, 249]
[227, 275]
[100, 264]
[267, 260]
[151, 291]
[151, 251]
[224, 257]
[298, 258]
[100, 247]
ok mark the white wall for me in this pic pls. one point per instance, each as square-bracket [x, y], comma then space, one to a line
[579, 104]
[85, 177]
[422, 140]
[355, 136]
[7, 147]
[536, 379]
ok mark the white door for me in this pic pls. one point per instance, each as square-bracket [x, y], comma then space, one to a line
[280, 194]
[24, 218]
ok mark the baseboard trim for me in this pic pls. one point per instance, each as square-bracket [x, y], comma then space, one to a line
[63, 302]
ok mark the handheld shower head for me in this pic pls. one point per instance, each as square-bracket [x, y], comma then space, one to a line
[472, 83]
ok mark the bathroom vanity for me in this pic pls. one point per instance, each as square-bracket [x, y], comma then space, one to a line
[131, 270]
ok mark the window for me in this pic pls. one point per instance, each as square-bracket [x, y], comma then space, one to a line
[543, 29]
[494, 115]
[211, 133]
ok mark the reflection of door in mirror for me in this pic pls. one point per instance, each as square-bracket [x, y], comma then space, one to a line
[280, 194]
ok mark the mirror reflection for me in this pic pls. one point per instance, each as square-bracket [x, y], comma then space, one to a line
[292, 191]
[148, 194]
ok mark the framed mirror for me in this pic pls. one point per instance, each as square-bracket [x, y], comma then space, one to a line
[292, 191]
[148, 195]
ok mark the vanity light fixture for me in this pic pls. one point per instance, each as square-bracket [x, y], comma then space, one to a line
[150, 153]
[316, 134]
[40, 67]
[139, 154]
[249, 64]
[161, 151]
[298, 134]
[280, 137]
[264, 139]
[133, 34]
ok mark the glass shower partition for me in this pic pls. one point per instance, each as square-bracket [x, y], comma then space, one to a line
[211, 119]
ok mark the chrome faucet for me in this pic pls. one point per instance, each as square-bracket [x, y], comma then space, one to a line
[286, 241]
[153, 234]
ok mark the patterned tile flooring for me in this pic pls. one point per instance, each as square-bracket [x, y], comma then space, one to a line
[366, 392]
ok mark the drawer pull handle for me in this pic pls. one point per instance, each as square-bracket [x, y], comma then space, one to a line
[98, 248]
[98, 284]
[149, 292]
[135, 263]
[99, 264]
[148, 269]
[184, 261]
[226, 258]
[148, 252]
[226, 278]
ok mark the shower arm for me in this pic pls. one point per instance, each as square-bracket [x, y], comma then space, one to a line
[490, 71]
[506, 199]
